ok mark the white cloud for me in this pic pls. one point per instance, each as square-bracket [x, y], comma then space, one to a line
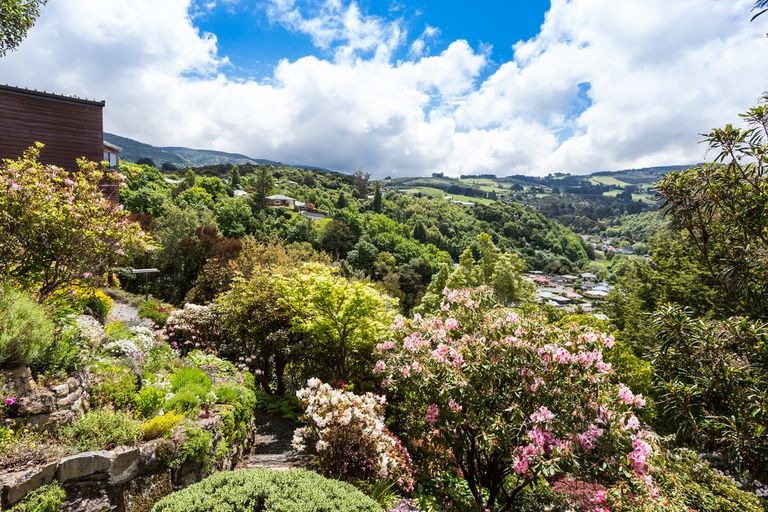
[659, 72]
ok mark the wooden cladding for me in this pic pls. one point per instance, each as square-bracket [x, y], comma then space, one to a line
[70, 128]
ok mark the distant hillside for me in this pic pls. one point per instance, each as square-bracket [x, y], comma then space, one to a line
[133, 150]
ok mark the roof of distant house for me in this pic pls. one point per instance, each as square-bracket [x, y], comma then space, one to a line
[50, 95]
[280, 197]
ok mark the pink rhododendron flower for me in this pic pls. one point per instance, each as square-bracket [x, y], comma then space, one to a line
[432, 413]
[380, 366]
[10, 401]
[454, 406]
[543, 415]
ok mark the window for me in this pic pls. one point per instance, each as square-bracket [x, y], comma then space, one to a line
[111, 158]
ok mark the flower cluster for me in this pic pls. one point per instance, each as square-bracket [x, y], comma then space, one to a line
[348, 434]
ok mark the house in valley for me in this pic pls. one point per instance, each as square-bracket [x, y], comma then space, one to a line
[281, 201]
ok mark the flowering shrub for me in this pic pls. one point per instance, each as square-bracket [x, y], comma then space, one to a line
[56, 227]
[348, 434]
[501, 399]
[192, 327]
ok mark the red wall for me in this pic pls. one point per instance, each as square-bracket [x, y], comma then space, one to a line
[68, 129]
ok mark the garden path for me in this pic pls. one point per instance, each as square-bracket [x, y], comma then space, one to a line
[272, 448]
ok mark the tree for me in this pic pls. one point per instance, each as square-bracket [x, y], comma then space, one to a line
[168, 166]
[341, 202]
[57, 227]
[17, 16]
[722, 207]
[360, 179]
[345, 317]
[262, 189]
[146, 161]
[420, 232]
[377, 200]
[234, 216]
[234, 178]
[761, 6]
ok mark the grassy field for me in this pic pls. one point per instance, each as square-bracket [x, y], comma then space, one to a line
[434, 192]
[607, 180]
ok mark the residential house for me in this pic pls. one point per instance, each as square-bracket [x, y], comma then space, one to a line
[281, 201]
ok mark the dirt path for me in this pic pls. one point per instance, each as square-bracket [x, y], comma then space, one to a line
[127, 314]
[272, 448]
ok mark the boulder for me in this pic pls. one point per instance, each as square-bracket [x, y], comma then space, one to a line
[14, 486]
[83, 465]
[124, 464]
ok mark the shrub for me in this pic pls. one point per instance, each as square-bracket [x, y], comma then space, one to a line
[161, 426]
[287, 407]
[46, 498]
[190, 375]
[67, 354]
[348, 434]
[242, 400]
[148, 401]
[265, 490]
[192, 327]
[26, 329]
[112, 384]
[102, 429]
[117, 330]
[96, 302]
[51, 217]
[156, 311]
[184, 401]
[197, 447]
[158, 359]
[501, 399]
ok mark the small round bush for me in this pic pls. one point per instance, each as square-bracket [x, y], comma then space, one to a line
[190, 375]
[26, 328]
[185, 402]
[148, 401]
[266, 490]
[161, 426]
[102, 429]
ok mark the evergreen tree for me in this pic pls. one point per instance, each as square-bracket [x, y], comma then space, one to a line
[420, 232]
[234, 180]
[377, 200]
[341, 202]
[264, 184]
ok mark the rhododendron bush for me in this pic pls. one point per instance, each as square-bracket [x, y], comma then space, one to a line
[506, 401]
[56, 227]
[346, 431]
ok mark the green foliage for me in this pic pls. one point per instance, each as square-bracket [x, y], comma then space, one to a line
[264, 490]
[240, 397]
[46, 498]
[697, 486]
[18, 17]
[287, 407]
[101, 429]
[148, 401]
[26, 328]
[184, 377]
[344, 316]
[161, 426]
[185, 401]
[197, 447]
[723, 209]
[57, 227]
[156, 311]
[712, 386]
[112, 385]
[234, 217]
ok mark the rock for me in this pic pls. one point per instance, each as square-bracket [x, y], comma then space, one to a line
[60, 417]
[70, 398]
[42, 402]
[18, 381]
[140, 494]
[15, 486]
[61, 390]
[88, 497]
[155, 453]
[82, 465]
[124, 464]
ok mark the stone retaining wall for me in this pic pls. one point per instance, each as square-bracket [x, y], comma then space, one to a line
[125, 479]
[39, 405]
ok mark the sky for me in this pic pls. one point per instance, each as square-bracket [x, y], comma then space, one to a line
[409, 87]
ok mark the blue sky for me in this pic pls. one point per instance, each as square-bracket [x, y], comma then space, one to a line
[409, 88]
[255, 44]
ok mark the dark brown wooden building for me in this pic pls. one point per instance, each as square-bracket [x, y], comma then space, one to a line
[69, 127]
